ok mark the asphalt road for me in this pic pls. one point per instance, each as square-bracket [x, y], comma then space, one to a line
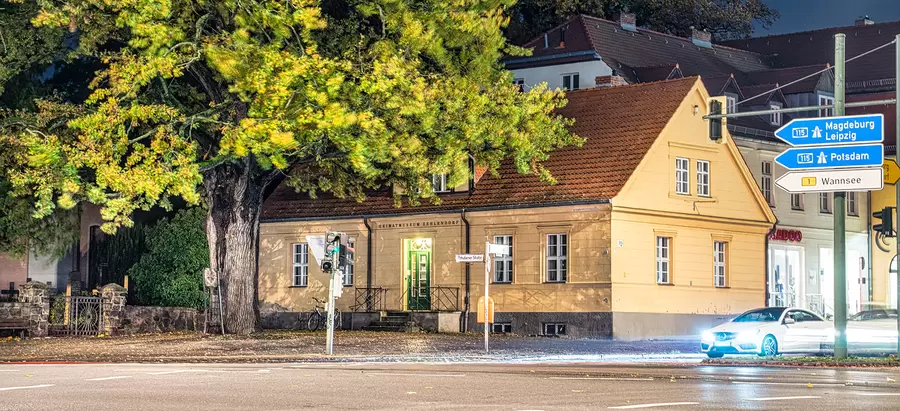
[423, 386]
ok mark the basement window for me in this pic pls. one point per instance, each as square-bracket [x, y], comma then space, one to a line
[501, 328]
[554, 329]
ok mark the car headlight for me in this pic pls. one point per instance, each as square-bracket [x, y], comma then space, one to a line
[748, 335]
[707, 336]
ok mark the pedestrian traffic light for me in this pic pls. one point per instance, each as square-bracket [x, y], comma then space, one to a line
[886, 228]
[332, 246]
[715, 124]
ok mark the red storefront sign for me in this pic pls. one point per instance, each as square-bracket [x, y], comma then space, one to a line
[786, 235]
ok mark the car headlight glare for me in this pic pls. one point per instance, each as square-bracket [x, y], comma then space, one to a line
[708, 336]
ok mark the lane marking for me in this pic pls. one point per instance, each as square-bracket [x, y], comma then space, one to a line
[788, 383]
[27, 388]
[662, 404]
[10, 371]
[799, 397]
[108, 378]
[386, 374]
[878, 394]
[602, 378]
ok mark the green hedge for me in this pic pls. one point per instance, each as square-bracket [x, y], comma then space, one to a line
[170, 272]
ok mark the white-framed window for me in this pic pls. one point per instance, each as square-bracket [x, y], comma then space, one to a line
[775, 118]
[663, 260]
[557, 249]
[703, 178]
[682, 179]
[570, 81]
[825, 203]
[797, 201]
[852, 205]
[501, 328]
[351, 265]
[439, 183]
[731, 103]
[300, 276]
[503, 264]
[720, 248]
[766, 185]
[826, 101]
[554, 329]
[520, 82]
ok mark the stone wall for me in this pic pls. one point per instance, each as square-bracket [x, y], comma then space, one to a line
[139, 319]
[33, 307]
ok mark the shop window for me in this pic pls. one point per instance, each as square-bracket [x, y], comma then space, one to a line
[681, 176]
[301, 265]
[554, 329]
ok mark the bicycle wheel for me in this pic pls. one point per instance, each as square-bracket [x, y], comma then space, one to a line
[314, 321]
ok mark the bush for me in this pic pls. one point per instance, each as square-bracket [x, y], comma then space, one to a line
[170, 273]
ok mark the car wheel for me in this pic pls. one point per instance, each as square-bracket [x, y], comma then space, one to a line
[715, 354]
[769, 347]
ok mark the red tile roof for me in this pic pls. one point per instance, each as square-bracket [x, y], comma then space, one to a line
[815, 47]
[657, 73]
[787, 75]
[619, 124]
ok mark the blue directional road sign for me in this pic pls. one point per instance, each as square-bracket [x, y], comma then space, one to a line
[800, 158]
[822, 131]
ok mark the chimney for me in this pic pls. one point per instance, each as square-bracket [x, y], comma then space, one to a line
[609, 81]
[701, 38]
[628, 21]
[865, 21]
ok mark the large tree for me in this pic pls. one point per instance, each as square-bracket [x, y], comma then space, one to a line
[212, 100]
[725, 19]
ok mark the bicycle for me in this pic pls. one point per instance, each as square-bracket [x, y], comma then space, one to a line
[317, 318]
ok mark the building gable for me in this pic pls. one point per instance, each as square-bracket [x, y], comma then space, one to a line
[733, 193]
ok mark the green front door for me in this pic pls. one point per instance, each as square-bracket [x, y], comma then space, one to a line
[419, 280]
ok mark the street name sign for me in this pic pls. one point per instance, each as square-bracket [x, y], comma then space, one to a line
[811, 181]
[800, 158]
[498, 249]
[891, 171]
[822, 131]
[469, 258]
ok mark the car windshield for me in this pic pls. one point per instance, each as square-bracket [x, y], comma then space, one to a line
[761, 315]
[874, 315]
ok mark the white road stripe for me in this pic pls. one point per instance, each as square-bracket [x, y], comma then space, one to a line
[788, 383]
[602, 378]
[878, 394]
[662, 404]
[172, 372]
[26, 388]
[799, 397]
[9, 371]
[108, 378]
[386, 374]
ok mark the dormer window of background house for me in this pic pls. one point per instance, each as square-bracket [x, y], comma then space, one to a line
[570, 81]
[439, 183]
[731, 103]
[775, 118]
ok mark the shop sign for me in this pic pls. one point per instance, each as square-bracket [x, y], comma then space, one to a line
[787, 235]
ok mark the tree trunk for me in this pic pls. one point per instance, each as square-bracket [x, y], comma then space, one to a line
[234, 196]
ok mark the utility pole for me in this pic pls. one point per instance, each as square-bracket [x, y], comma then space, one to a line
[840, 214]
[329, 309]
[897, 186]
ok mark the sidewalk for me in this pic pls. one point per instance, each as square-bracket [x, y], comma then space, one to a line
[293, 346]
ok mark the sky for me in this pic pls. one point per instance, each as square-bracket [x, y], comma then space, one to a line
[803, 15]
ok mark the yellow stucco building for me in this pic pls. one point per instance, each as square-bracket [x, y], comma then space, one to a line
[652, 230]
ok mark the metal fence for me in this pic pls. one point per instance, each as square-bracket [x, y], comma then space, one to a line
[398, 299]
[76, 315]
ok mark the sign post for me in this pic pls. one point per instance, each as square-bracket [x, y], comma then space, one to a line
[487, 298]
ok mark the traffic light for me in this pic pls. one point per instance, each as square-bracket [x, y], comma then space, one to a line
[715, 124]
[332, 246]
[886, 228]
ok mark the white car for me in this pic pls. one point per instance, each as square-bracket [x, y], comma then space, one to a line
[769, 331]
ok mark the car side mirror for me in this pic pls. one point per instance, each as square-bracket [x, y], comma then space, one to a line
[788, 321]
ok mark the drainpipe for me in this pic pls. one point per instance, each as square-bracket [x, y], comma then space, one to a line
[768, 266]
[465, 318]
[869, 243]
[368, 264]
